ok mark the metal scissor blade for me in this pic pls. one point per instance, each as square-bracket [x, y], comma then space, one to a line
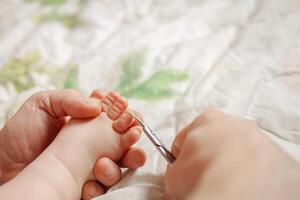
[154, 139]
[147, 130]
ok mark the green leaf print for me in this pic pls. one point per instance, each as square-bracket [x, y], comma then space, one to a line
[20, 73]
[68, 20]
[55, 12]
[164, 79]
[131, 70]
[32, 58]
[49, 2]
[156, 87]
[71, 80]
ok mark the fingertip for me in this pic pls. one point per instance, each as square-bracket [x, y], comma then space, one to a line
[131, 136]
[124, 122]
[103, 167]
[135, 134]
[107, 172]
[92, 189]
[117, 107]
[139, 158]
[174, 150]
[134, 158]
[97, 94]
[114, 94]
[179, 140]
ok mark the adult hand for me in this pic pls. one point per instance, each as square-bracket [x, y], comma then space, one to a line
[37, 123]
[223, 157]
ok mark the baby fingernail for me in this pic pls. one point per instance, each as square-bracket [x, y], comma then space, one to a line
[107, 170]
[139, 129]
[92, 193]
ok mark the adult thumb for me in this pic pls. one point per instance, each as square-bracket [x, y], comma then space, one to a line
[67, 102]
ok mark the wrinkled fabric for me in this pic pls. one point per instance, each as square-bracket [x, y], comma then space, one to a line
[242, 57]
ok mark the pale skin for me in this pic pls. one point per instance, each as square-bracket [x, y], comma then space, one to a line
[221, 157]
[218, 157]
[38, 122]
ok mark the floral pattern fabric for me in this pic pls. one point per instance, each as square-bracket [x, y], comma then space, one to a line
[172, 59]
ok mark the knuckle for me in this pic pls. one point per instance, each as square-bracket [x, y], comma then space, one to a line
[38, 95]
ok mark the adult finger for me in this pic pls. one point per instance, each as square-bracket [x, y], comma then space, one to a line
[179, 140]
[68, 102]
[109, 173]
[91, 189]
[197, 122]
[97, 94]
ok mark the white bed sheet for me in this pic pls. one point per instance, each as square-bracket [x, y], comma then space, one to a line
[242, 57]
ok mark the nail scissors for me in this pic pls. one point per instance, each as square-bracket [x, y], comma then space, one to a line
[154, 139]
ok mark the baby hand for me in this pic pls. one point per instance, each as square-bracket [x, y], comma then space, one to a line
[106, 171]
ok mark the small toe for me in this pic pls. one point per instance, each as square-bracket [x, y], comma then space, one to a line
[91, 189]
[131, 137]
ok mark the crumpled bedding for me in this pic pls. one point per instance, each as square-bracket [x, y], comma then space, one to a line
[241, 57]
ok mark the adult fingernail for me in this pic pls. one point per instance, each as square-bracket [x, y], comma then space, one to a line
[93, 102]
[139, 160]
